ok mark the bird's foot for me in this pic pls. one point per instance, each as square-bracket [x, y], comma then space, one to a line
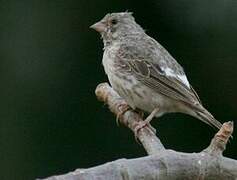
[123, 107]
[142, 124]
[146, 123]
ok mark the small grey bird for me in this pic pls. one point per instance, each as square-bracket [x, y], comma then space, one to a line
[144, 73]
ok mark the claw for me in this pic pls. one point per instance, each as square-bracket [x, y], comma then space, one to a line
[117, 119]
[146, 123]
[122, 109]
[143, 124]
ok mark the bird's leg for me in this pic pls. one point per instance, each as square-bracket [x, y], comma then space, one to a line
[146, 122]
[151, 116]
[123, 107]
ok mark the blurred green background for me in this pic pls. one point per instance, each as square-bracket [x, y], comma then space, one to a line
[50, 64]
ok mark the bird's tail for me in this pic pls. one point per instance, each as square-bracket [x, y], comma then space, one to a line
[207, 118]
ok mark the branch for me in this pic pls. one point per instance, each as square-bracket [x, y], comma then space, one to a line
[130, 118]
[162, 163]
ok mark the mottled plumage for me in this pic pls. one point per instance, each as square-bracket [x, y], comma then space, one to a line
[142, 72]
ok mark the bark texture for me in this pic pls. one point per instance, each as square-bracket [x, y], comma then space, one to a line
[161, 163]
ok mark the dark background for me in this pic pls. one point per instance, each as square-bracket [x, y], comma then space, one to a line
[50, 64]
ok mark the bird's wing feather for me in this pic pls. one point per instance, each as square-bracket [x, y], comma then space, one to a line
[151, 75]
[157, 69]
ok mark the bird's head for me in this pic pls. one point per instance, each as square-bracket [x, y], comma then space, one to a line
[117, 25]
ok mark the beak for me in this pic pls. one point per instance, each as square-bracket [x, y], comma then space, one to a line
[99, 27]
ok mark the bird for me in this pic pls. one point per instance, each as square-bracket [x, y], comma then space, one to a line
[144, 73]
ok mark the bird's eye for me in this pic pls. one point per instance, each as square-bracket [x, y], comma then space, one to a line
[114, 21]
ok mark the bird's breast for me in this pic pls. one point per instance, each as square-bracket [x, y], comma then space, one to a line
[109, 58]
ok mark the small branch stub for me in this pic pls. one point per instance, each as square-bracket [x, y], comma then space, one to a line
[218, 143]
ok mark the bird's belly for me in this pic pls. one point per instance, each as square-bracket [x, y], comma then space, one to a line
[137, 95]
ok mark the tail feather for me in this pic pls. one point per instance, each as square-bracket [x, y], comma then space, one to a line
[207, 118]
